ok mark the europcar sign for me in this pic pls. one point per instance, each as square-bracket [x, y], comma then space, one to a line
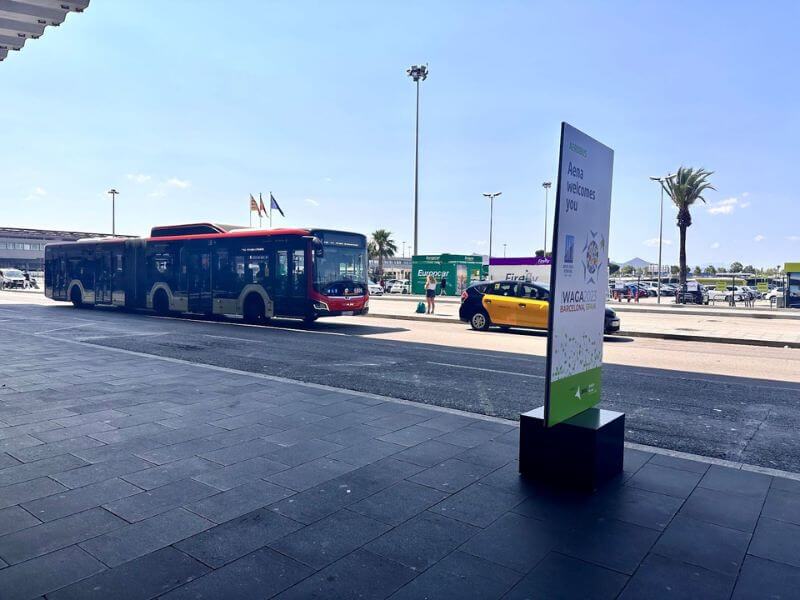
[579, 276]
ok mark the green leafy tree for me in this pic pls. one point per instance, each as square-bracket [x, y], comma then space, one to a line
[711, 270]
[750, 269]
[381, 246]
[626, 270]
[674, 270]
[613, 268]
[685, 189]
[736, 267]
[697, 271]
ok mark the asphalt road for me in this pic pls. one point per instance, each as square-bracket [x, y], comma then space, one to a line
[743, 419]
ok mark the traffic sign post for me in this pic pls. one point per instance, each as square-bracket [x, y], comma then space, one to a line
[569, 441]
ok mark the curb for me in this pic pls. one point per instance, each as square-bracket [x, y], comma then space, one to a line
[701, 312]
[643, 334]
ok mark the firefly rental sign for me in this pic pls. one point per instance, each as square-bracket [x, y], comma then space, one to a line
[579, 276]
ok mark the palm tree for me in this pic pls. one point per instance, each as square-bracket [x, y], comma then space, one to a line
[686, 188]
[381, 246]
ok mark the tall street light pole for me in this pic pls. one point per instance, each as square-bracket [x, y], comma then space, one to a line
[661, 181]
[417, 73]
[113, 193]
[546, 185]
[491, 196]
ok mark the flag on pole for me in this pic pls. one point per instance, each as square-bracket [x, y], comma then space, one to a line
[261, 208]
[274, 204]
[253, 204]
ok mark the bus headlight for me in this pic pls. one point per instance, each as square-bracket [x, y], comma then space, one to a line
[321, 306]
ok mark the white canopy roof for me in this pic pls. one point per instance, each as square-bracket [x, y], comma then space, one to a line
[23, 20]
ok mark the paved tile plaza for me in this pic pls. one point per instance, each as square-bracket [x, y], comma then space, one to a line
[129, 477]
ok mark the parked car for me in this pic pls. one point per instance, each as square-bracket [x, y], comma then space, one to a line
[375, 289]
[755, 294]
[12, 279]
[513, 304]
[774, 293]
[738, 294]
[698, 296]
[400, 286]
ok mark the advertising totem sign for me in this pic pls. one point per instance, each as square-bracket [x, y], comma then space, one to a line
[579, 276]
[460, 270]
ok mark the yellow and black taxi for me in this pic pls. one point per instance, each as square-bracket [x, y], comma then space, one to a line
[513, 304]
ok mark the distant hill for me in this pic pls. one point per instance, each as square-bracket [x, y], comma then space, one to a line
[636, 263]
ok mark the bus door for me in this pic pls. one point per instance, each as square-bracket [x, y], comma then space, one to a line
[198, 276]
[291, 280]
[103, 275]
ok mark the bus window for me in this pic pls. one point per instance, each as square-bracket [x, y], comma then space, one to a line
[299, 271]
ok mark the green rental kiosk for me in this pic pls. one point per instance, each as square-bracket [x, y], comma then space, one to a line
[460, 270]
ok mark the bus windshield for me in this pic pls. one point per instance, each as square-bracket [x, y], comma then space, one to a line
[340, 265]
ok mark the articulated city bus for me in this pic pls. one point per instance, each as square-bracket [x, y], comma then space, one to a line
[216, 269]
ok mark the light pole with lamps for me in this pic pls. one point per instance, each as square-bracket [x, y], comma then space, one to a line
[546, 185]
[504, 250]
[661, 181]
[417, 73]
[491, 196]
[113, 193]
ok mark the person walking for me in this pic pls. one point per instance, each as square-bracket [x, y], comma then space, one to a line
[430, 293]
[443, 284]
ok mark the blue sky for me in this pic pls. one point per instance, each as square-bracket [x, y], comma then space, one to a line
[186, 108]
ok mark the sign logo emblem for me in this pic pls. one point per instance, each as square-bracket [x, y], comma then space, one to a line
[593, 250]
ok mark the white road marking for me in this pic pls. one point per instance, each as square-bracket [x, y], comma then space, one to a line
[430, 362]
[64, 328]
[119, 335]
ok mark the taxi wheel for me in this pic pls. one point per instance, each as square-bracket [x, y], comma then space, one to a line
[480, 321]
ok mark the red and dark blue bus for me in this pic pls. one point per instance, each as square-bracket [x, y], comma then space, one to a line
[216, 269]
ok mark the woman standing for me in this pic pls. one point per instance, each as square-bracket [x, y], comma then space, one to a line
[430, 293]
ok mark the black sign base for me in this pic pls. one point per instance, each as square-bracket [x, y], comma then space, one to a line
[581, 453]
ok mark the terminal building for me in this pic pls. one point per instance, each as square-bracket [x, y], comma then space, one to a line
[24, 248]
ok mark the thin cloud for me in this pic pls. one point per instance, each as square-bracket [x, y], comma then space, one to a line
[723, 207]
[759, 238]
[653, 242]
[793, 238]
[138, 177]
[40, 191]
[178, 183]
[715, 245]
[327, 179]
[157, 194]
[312, 202]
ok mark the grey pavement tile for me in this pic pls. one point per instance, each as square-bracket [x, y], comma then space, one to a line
[243, 434]
[776, 540]
[429, 453]
[451, 475]
[165, 454]
[41, 415]
[661, 577]
[122, 465]
[54, 535]
[235, 538]
[559, 576]
[490, 454]
[514, 541]
[399, 420]
[354, 435]
[108, 452]
[226, 478]
[469, 436]
[639, 507]
[6, 460]
[735, 481]
[366, 452]
[19, 442]
[261, 574]
[448, 422]
[65, 433]
[238, 501]
[706, 545]
[729, 510]
[411, 436]
[478, 504]
[612, 544]
[180, 469]
[31, 428]
[90, 417]
[335, 409]
[783, 506]
[39, 468]
[634, 460]
[761, 579]
[360, 575]
[422, 541]
[78, 500]
[508, 478]
[786, 485]
[47, 573]
[141, 579]
[303, 452]
[310, 474]
[129, 433]
[665, 480]
[15, 518]
[71, 445]
[329, 539]
[169, 437]
[399, 502]
[159, 500]
[674, 462]
[138, 539]
[28, 490]
[234, 454]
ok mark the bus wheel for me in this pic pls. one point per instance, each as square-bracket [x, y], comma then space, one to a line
[309, 319]
[161, 303]
[253, 310]
[75, 297]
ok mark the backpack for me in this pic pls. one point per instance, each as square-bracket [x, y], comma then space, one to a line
[421, 307]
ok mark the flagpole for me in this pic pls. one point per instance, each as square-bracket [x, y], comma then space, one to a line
[250, 205]
[270, 210]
